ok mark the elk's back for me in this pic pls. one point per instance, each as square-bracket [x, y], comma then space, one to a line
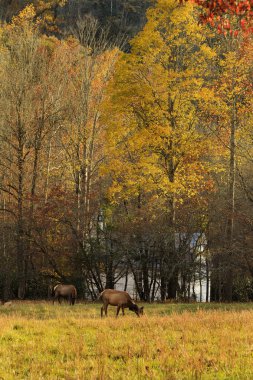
[115, 297]
[66, 290]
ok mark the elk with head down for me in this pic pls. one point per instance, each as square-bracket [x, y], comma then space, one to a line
[120, 299]
[65, 291]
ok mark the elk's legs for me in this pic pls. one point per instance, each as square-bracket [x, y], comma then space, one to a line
[118, 309]
[104, 309]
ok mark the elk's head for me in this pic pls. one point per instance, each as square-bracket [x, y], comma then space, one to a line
[138, 310]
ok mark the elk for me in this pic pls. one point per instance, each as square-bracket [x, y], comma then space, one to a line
[65, 291]
[120, 299]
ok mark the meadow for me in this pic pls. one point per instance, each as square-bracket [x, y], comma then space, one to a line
[171, 341]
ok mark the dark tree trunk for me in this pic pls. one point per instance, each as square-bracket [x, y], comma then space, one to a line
[207, 280]
[228, 272]
[172, 286]
[145, 274]
[109, 273]
[21, 262]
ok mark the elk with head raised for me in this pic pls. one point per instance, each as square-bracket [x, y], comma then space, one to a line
[120, 299]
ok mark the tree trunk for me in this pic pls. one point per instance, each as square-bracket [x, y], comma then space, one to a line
[171, 167]
[21, 264]
[163, 281]
[207, 280]
[228, 275]
[109, 271]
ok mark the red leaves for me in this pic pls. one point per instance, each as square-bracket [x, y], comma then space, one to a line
[226, 25]
[229, 16]
[243, 24]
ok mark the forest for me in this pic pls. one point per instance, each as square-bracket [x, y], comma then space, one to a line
[126, 148]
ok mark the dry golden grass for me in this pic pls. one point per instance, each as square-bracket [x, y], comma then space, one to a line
[41, 341]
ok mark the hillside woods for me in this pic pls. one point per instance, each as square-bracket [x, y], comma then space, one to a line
[120, 159]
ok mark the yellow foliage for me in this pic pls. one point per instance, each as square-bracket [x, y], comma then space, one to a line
[26, 15]
[156, 141]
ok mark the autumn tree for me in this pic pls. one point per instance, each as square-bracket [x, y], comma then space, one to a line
[29, 107]
[233, 88]
[155, 126]
[46, 10]
[90, 58]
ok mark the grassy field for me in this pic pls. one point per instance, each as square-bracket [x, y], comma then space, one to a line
[172, 341]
